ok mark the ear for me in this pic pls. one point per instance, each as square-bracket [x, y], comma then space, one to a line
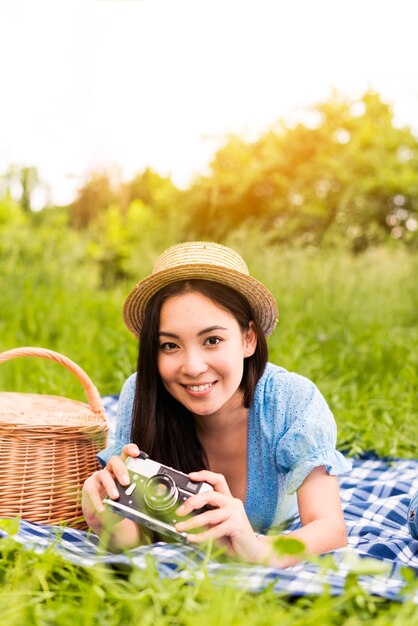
[250, 340]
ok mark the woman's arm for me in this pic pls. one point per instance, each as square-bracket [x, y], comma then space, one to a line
[323, 527]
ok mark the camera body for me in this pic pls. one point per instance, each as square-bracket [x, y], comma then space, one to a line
[413, 517]
[154, 493]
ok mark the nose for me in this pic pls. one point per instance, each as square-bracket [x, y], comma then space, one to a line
[194, 364]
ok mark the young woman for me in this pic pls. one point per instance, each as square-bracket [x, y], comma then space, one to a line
[205, 401]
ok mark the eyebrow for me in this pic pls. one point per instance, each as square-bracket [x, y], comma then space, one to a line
[209, 329]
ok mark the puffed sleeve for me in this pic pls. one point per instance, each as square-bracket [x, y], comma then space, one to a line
[123, 422]
[309, 438]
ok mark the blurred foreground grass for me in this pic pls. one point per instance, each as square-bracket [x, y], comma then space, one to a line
[45, 590]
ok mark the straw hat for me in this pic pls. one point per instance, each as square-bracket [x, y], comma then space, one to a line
[206, 260]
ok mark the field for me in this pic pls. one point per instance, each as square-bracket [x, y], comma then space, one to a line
[347, 322]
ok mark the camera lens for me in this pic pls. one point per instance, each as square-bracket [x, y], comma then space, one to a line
[160, 492]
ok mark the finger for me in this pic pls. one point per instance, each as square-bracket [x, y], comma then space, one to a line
[209, 518]
[222, 531]
[211, 498]
[117, 468]
[130, 450]
[217, 481]
[94, 493]
[109, 484]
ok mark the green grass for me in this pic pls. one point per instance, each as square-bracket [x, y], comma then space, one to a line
[45, 590]
[351, 325]
[348, 323]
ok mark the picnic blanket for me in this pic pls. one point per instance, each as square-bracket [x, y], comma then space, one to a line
[375, 497]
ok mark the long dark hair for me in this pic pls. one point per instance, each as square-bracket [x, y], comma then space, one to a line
[161, 426]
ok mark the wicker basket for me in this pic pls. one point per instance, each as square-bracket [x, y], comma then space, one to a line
[48, 447]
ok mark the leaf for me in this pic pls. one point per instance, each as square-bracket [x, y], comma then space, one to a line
[10, 526]
[408, 574]
[365, 565]
[288, 545]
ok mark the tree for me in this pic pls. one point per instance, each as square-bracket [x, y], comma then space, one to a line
[21, 183]
[94, 197]
[353, 175]
[154, 190]
[125, 221]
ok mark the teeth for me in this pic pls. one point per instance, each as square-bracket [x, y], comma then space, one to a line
[199, 387]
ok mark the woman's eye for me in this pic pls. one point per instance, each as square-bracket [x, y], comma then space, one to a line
[168, 346]
[213, 341]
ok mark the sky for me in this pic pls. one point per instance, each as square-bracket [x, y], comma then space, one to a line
[88, 85]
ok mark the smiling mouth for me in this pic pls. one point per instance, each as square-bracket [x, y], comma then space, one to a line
[199, 387]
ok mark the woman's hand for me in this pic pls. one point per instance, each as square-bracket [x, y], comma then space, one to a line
[227, 522]
[101, 484]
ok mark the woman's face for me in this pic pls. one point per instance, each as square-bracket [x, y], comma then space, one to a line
[201, 353]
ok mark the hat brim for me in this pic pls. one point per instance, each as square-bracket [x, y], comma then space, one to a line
[262, 302]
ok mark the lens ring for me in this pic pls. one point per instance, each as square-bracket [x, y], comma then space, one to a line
[160, 492]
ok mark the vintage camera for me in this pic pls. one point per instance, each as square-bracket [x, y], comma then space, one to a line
[413, 517]
[154, 493]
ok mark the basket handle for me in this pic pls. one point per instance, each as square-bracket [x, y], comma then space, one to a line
[92, 393]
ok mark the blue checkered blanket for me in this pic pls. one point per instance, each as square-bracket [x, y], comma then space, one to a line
[375, 497]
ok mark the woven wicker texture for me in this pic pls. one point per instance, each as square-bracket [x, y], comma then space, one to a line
[48, 447]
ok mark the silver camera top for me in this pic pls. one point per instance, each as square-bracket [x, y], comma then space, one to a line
[147, 467]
